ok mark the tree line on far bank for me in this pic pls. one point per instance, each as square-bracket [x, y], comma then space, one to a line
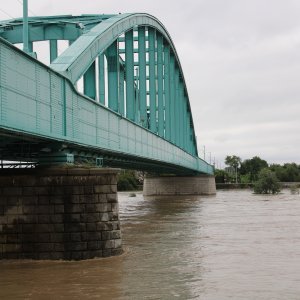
[257, 171]
[247, 171]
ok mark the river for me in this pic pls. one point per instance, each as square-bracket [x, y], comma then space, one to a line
[235, 245]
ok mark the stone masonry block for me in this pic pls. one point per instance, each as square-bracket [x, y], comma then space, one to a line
[103, 189]
[104, 217]
[118, 243]
[102, 198]
[109, 244]
[89, 217]
[116, 234]
[115, 207]
[102, 207]
[12, 191]
[106, 235]
[112, 198]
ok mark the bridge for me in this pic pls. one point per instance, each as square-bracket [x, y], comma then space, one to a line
[134, 107]
[115, 97]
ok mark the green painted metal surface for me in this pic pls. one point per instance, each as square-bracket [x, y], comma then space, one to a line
[25, 27]
[129, 71]
[160, 86]
[172, 99]
[89, 81]
[149, 121]
[53, 50]
[121, 91]
[101, 78]
[167, 92]
[152, 79]
[113, 76]
[142, 76]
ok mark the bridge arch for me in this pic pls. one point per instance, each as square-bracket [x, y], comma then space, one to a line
[143, 84]
[156, 96]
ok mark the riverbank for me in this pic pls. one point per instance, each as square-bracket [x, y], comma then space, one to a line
[236, 186]
[233, 186]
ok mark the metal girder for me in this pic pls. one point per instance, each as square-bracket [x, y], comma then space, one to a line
[160, 86]
[129, 71]
[152, 79]
[88, 44]
[166, 111]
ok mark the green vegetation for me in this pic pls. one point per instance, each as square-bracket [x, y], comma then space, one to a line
[252, 167]
[267, 183]
[233, 162]
[246, 171]
[257, 171]
[127, 181]
[287, 173]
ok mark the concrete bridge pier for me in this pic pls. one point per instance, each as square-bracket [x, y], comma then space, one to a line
[179, 185]
[59, 213]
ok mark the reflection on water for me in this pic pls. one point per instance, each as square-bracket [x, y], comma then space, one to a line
[235, 245]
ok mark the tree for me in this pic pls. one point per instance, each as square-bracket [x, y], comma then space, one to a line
[267, 183]
[252, 167]
[221, 176]
[289, 172]
[234, 162]
[127, 181]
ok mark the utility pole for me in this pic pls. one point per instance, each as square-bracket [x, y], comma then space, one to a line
[25, 27]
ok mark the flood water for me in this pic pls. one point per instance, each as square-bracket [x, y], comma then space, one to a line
[235, 245]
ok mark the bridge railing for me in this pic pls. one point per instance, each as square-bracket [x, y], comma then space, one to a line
[39, 102]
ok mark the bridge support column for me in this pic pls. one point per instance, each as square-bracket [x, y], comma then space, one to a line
[179, 186]
[59, 213]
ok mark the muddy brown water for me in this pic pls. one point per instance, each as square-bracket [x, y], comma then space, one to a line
[234, 245]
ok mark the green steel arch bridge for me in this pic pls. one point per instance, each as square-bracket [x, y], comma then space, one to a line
[115, 96]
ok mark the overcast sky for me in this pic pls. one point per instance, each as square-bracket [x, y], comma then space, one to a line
[241, 61]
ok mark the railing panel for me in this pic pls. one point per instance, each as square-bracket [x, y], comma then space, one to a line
[51, 107]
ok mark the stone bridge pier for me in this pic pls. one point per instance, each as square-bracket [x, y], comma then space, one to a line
[59, 213]
[179, 185]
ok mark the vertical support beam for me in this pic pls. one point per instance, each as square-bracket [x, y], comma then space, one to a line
[176, 108]
[53, 50]
[30, 47]
[101, 79]
[25, 27]
[152, 79]
[129, 71]
[160, 87]
[185, 122]
[189, 132]
[193, 141]
[181, 110]
[89, 82]
[113, 76]
[64, 106]
[121, 91]
[167, 92]
[142, 76]
[172, 97]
